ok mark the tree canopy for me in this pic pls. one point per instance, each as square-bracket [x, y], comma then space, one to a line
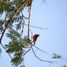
[12, 26]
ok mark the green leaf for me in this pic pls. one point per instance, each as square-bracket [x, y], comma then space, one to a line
[13, 35]
[25, 41]
[17, 60]
[14, 46]
[4, 6]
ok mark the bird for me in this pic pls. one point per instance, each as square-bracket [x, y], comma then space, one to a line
[34, 38]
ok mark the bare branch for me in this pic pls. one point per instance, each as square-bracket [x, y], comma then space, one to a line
[40, 58]
[36, 27]
[27, 51]
[41, 50]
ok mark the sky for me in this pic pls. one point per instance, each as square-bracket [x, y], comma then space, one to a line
[52, 15]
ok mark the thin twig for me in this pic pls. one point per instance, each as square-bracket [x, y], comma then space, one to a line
[27, 51]
[41, 50]
[30, 3]
[22, 29]
[24, 16]
[13, 15]
[36, 55]
[36, 27]
[40, 58]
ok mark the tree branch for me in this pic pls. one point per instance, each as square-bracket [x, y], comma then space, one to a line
[40, 58]
[13, 15]
[41, 50]
[28, 50]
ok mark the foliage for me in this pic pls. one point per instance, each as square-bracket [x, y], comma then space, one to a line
[17, 47]
[13, 24]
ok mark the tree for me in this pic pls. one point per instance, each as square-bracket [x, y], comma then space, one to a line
[12, 26]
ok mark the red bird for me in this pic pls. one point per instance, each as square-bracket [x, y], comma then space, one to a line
[34, 38]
